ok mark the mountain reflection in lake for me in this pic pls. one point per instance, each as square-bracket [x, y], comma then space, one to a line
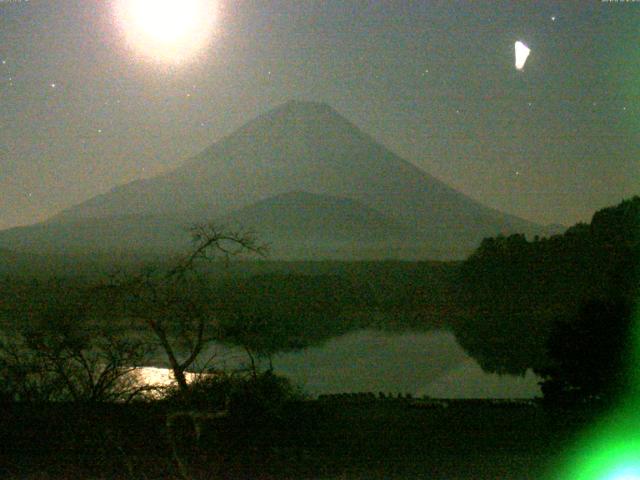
[420, 363]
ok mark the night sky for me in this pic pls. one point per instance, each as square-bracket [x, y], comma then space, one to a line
[82, 110]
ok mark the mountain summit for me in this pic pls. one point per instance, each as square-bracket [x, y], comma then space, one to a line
[303, 147]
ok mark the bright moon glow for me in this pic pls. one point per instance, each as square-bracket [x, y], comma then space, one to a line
[522, 53]
[169, 31]
[160, 378]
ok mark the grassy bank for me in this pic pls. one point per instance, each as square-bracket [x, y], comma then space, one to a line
[312, 439]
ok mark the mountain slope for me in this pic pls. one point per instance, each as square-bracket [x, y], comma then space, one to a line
[302, 215]
[141, 233]
[299, 225]
[304, 146]
[295, 224]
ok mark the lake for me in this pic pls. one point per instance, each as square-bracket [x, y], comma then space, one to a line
[420, 363]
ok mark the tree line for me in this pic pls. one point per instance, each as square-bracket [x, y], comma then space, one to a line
[562, 306]
[514, 304]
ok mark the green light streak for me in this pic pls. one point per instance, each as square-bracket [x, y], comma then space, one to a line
[613, 453]
[611, 449]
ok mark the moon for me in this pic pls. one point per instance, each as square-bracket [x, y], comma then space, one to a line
[167, 31]
[522, 53]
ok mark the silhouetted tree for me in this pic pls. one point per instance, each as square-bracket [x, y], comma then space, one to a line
[514, 291]
[175, 305]
[590, 356]
[63, 352]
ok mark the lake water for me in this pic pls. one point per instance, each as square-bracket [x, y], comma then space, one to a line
[420, 363]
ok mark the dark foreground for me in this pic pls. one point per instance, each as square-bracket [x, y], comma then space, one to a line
[382, 439]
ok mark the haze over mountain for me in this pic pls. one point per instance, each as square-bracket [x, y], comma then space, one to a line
[298, 172]
[305, 225]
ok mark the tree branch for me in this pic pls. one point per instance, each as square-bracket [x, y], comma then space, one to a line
[207, 237]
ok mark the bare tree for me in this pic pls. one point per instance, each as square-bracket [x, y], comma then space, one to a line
[175, 305]
[65, 354]
[210, 241]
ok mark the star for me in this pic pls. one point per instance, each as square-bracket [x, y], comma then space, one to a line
[53, 85]
[553, 18]
[4, 62]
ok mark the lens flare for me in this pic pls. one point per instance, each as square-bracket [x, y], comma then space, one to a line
[611, 449]
[625, 473]
[169, 31]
